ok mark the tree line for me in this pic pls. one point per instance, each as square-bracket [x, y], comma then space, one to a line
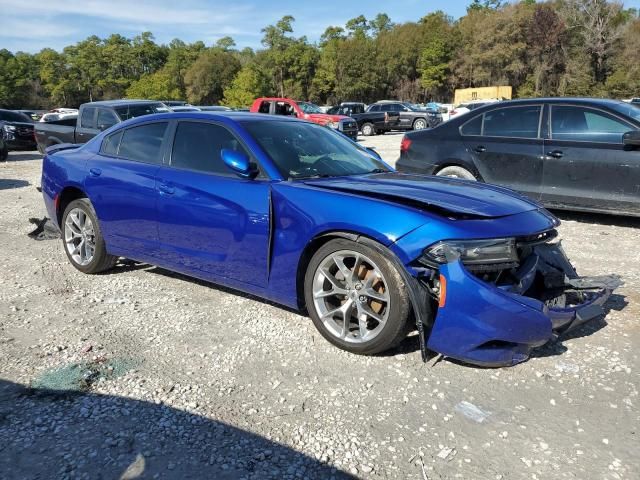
[557, 48]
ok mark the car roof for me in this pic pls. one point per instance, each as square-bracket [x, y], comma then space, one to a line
[124, 101]
[213, 115]
[572, 100]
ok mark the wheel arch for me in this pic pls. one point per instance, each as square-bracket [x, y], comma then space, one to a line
[454, 162]
[421, 308]
[67, 195]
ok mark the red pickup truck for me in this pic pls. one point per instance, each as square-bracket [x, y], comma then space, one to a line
[306, 111]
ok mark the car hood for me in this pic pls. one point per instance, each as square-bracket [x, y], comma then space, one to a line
[447, 196]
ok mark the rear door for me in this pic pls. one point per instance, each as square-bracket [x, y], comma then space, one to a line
[507, 147]
[87, 127]
[121, 184]
[211, 220]
[586, 164]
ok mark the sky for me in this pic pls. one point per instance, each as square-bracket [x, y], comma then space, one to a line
[35, 24]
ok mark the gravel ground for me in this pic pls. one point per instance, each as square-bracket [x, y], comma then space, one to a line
[183, 379]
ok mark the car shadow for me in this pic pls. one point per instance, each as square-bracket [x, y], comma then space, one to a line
[58, 434]
[598, 218]
[18, 156]
[7, 184]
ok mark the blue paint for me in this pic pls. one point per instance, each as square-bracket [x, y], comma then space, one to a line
[251, 233]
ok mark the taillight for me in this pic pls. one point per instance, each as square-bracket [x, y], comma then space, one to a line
[405, 144]
[386, 117]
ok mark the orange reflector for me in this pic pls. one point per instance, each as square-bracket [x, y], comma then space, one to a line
[443, 291]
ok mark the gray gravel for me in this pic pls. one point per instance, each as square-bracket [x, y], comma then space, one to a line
[222, 385]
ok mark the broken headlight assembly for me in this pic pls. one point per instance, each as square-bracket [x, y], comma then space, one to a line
[471, 252]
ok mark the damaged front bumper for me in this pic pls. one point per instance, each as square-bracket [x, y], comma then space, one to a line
[499, 323]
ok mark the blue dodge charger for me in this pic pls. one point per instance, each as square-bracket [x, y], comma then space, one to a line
[298, 214]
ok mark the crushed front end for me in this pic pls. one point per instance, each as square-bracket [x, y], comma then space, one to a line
[496, 299]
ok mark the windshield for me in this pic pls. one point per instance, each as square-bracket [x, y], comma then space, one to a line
[306, 150]
[126, 112]
[307, 107]
[628, 109]
[9, 116]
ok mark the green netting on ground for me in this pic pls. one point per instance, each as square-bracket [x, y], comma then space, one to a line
[80, 376]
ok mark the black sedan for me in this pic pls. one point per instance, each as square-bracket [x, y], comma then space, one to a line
[568, 153]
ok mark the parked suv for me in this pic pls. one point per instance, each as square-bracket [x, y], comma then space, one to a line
[369, 123]
[411, 117]
[17, 131]
[306, 111]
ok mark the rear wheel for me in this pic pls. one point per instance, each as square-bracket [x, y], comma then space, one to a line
[368, 130]
[356, 297]
[456, 172]
[82, 238]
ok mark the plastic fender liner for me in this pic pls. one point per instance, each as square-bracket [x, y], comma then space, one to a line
[417, 294]
[484, 325]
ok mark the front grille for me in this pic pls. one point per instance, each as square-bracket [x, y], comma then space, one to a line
[349, 125]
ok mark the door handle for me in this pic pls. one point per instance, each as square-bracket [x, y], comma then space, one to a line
[95, 172]
[480, 149]
[555, 154]
[166, 189]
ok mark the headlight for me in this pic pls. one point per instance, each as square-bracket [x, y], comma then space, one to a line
[471, 252]
[333, 125]
[10, 128]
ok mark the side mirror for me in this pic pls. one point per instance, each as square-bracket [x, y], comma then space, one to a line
[239, 163]
[632, 138]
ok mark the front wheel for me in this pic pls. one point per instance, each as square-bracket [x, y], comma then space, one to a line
[368, 130]
[356, 297]
[82, 238]
[420, 124]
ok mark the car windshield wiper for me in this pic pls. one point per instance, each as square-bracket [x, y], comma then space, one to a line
[377, 170]
[317, 175]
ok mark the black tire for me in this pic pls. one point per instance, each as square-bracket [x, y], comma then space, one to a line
[456, 172]
[420, 124]
[397, 325]
[368, 129]
[4, 153]
[101, 260]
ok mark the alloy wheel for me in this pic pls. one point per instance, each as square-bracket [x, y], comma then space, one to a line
[79, 237]
[351, 296]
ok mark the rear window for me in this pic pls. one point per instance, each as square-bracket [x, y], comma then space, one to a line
[87, 119]
[111, 143]
[9, 116]
[143, 143]
[472, 127]
[264, 107]
[125, 112]
[518, 122]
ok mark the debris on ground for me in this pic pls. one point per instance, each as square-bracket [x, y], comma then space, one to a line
[45, 229]
[472, 412]
[82, 375]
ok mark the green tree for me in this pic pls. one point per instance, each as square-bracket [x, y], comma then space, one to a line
[210, 74]
[250, 83]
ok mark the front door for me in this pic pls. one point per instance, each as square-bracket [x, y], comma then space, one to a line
[210, 220]
[508, 147]
[586, 163]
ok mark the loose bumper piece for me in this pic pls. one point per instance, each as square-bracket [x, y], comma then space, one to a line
[499, 324]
